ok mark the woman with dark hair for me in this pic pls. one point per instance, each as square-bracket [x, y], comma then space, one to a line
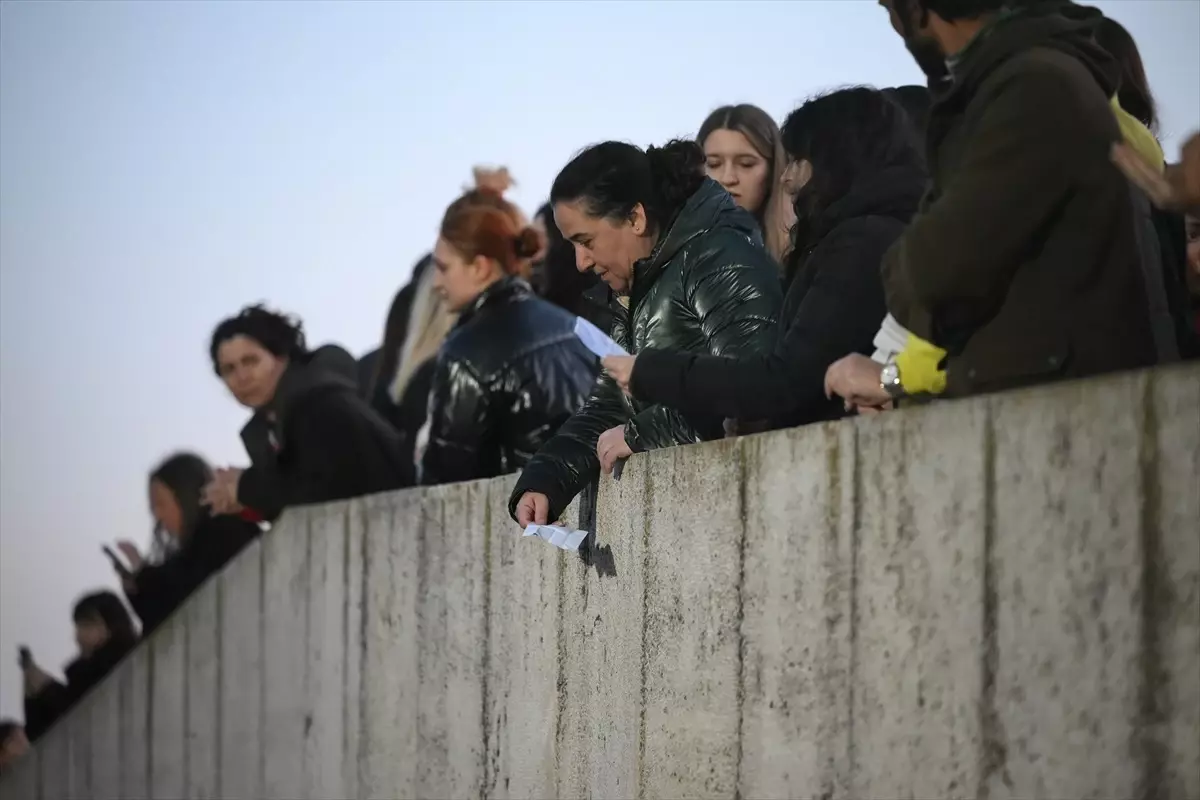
[312, 438]
[205, 542]
[512, 370]
[687, 271]
[559, 282]
[857, 178]
[1134, 91]
[105, 634]
[743, 152]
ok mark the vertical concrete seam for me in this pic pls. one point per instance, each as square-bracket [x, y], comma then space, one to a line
[486, 656]
[260, 776]
[832, 565]
[360, 755]
[560, 721]
[219, 688]
[855, 542]
[349, 760]
[993, 753]
[150, 720]
[740, 747]
[307, 583]
[1150, 745]
[647, 518]
[187, 619]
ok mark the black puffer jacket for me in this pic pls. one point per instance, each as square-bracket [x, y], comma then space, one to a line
[510, 373]
[319, 440]
[708, 287]
[833, 307]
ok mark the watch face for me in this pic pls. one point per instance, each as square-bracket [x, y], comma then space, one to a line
[889, 374]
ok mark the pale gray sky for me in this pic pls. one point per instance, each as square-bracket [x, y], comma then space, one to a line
[162, 164]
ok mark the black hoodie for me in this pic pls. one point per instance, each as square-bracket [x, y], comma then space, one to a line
[833, 307]
[319, 440]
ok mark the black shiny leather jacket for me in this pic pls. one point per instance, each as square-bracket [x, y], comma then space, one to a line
[510, 373]
[708, 287]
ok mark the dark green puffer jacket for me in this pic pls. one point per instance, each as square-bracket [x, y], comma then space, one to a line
[708, 287]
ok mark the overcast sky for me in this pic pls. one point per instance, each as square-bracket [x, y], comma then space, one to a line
[163, 164]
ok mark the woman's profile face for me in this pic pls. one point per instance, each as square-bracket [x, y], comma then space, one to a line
[165, 508]
[459, 281]
[734, 163]
[90, 634]
[603, 247]
[249, 370]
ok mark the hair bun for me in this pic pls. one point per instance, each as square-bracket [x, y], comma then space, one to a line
[677, 169]
[528, 242]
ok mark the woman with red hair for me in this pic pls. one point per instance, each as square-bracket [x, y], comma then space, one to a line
[512, 370]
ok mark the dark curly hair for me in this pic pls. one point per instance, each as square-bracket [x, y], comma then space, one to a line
[279, 334]
[611, 178]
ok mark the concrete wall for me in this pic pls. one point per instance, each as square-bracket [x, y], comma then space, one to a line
[992, 598]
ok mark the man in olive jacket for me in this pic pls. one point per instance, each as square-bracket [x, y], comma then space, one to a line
[1024, 262]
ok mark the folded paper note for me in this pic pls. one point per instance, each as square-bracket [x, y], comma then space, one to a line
[562, 538]
[596, 340]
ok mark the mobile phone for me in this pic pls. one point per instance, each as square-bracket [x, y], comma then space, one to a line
[117, 563]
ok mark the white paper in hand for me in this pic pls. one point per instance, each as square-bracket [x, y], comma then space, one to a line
[562, 538]
[595, 340]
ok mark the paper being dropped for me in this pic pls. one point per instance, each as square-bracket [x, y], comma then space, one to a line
[595, 339]
[563, 538]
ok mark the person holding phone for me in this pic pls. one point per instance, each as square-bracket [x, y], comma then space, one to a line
[206, 541]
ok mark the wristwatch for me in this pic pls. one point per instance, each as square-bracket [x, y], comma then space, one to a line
[889, 381]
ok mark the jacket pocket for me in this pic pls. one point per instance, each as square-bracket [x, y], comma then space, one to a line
[1022, 361]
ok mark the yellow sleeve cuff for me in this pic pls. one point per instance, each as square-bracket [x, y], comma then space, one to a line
[920, 370]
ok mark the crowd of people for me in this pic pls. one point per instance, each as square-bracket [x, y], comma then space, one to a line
[1012, 224]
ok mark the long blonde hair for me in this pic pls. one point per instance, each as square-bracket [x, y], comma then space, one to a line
[429, 323]
[762, 132]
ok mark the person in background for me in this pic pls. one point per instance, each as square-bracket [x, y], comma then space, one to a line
[1138, 115]
[559, 282]
[104, 633]
[1193, 275]
[744, 153]
[14, 744]
[378, 367]
[916, 102]
[687, 270]
[312, 438]
[206, 541]
[857, 176]
[512, 370]
[1025, 264]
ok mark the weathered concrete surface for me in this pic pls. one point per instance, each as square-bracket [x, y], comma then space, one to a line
[991, 598]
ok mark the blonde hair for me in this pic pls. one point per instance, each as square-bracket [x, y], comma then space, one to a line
[429, 323]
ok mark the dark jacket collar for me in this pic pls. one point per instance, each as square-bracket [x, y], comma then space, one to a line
[328, 368]
[506, 290]
[709, 207]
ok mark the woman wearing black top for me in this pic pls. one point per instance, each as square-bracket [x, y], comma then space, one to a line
[312, 438]
[204, 542]
[856, 176]
[104, 633]
[512, 370]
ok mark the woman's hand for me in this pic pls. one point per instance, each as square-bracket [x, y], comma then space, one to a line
[532, 509]
[221, 494]
[621, 369]
[130, 551]
[856, 379]
[1177, 188]
[611, 448]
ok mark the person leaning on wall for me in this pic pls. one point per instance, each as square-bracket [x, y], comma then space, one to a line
[686, 269]
[312, 438]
